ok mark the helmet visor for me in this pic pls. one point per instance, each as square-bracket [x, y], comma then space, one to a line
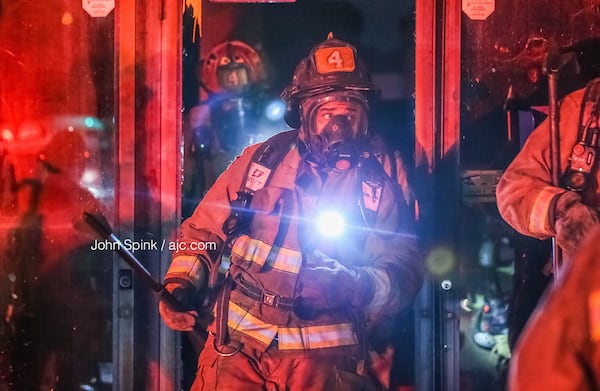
[319, 111]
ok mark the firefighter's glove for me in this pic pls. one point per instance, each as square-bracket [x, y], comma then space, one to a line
[327, 284]
[573, 221]
[179, 320]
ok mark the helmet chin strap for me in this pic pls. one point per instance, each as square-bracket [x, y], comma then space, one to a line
[335, 146]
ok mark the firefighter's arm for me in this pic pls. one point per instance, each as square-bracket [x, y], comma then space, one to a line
[525, 195]
[393, 164]
[572, 221]
[200, 242]
[201, 237]
[395, 262]
[385, 281]
[560, 344]
[397, 267]
[383, 288]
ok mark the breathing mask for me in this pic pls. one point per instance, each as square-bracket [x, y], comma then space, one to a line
[334, 127]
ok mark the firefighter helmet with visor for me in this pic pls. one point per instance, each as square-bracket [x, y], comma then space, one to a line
[231, 67]
[328, 101]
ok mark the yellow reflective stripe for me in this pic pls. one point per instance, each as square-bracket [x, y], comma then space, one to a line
[316, 337]
[251, 249]
[241, 320]
[291, 338]
[287, 260]
[257, 251]
[538, 218]
[189, 265]
[182, 263]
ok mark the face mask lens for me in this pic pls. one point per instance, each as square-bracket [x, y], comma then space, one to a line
[322, 111]
[333, 126]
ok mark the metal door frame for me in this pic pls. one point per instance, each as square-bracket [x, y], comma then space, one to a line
[148, 151]
[437, 116]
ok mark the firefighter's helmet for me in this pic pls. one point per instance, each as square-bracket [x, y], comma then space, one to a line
[332, 65]
[231, 67]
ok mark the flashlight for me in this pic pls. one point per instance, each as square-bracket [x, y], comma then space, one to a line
[331, 224]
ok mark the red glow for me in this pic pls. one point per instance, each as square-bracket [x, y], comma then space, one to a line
[7, 135]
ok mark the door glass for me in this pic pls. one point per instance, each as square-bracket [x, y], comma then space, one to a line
[56, 161]
[504, 96]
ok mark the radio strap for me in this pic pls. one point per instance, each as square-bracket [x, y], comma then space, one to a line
[582, 160]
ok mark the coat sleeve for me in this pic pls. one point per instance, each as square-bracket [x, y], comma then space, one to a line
[397, 265]
[560, 347]
[525, 194]
[201, 238]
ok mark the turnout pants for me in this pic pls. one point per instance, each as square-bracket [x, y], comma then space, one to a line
[251, 370]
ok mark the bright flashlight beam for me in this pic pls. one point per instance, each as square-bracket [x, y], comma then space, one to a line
[312, 222]
[331, 224]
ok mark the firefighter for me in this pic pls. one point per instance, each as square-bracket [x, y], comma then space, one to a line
[233, 76]
[560, 347]
[296, 302]
[529, 202]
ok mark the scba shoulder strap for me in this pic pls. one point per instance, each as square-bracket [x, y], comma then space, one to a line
[258, 174]
[266, 159]
[582, 160]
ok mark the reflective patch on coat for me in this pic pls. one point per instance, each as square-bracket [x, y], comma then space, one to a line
[257, 176]
[594, 312]
[371, 196]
